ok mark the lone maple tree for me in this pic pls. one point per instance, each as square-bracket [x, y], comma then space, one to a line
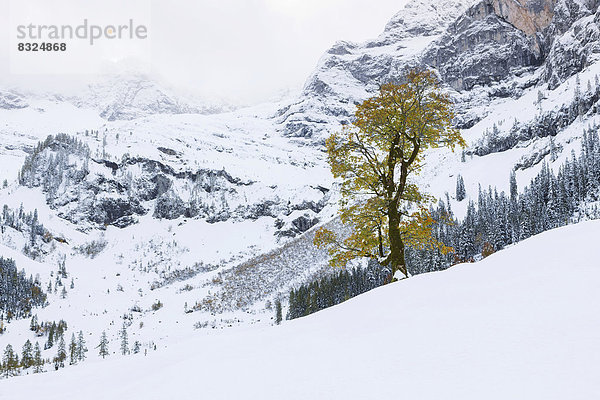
[375, 157]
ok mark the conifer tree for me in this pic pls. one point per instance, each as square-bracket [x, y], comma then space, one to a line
[513, 186]
[103, 346]
[81, 349]
[10, 361]
[62, 267]
[33, 228]
[460, 189]
[124, 340]
[278, 316]
[51, 332]
[27, 355]
[73, 350]
[61, 354]
[38, 362]
[33, 326]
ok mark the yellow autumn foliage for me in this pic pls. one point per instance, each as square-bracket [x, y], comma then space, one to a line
[374, 158]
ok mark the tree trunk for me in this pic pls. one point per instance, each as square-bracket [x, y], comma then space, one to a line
[396, 258]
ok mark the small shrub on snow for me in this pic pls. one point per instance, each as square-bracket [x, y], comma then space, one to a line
[157, 306]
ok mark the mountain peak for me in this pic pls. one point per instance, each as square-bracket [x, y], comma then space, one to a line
[423, 18]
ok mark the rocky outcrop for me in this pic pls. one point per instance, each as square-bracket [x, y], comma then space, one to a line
[169, 206]
[296, 223]
[100, 192]
[480, 49]
[529, 16]
[577, 47]
[491, 41]
[420, 18]
[350, 72]
[114, 211]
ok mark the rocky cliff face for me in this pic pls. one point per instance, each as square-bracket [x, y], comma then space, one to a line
[350, 72]
[490, 41]
[529, 16]
[573, 41]
[94, 192]
[497, 39]
[484, 51]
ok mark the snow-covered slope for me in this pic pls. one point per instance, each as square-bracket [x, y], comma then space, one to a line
[521, 324]
[253, 191]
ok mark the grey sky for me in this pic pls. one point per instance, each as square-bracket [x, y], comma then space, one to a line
[248, 50]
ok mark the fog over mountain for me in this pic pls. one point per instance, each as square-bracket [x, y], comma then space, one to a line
[242, 52]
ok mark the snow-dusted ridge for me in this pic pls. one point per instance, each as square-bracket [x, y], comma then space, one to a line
[117, 96]
[521, 324]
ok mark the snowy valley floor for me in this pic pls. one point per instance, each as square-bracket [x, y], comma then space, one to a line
[522, 324]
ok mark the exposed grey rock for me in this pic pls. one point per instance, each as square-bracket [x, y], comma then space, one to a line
[125, 221]
[296, 223]
[265, 209]
[110, 211]
[482, 47]
[167, 151]
[111, 193]
[578, 46]
[169, 206]
[311, 205]
[304, 223]
[350, 72]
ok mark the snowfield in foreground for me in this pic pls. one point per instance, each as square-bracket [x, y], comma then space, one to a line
[521, 324]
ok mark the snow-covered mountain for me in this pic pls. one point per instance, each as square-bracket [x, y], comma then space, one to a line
[485, 51]
[117, 96]
[172, 217]
[9, 100]
[520, 324]
[350, 72]
[523, 75]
